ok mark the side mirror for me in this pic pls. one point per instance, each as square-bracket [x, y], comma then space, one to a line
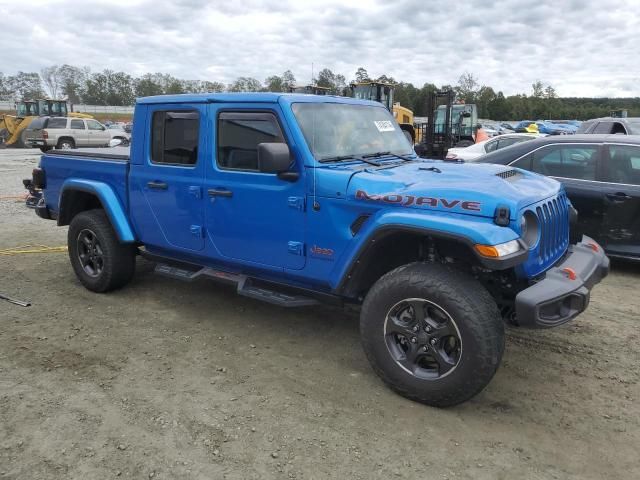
[114, 142]
[273, 157]
[466, 114]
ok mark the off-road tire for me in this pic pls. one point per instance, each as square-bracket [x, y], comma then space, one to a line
[118, 259]
[475, 315]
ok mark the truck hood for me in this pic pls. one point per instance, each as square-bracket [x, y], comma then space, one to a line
[473, 189]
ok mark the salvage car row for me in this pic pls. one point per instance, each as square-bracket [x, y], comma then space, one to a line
[601, 175]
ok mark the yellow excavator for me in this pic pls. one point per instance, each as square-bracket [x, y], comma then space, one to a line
[13, 127]
[383, 92]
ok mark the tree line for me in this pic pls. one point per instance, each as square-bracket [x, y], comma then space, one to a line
[108, 87]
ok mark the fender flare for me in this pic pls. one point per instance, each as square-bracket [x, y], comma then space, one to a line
[109, 201]
[468, 231]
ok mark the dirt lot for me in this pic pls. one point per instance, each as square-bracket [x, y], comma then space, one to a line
[170, 380]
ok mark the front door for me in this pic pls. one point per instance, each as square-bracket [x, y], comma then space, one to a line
[166, 192]
[621, 228]
[253, 217]
[98, 135]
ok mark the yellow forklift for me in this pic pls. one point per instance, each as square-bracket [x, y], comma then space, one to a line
[383, 92]
[13, 127]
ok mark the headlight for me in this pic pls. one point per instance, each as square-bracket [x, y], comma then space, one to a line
[529, 228]
[500, 250]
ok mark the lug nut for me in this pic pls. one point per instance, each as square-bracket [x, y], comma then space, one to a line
[415, 328]
[425, 348]
[427, 329]
[433, 341]
[414, 339]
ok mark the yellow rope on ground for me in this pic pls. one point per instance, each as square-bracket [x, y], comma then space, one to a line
[32, 249]
[14, 197]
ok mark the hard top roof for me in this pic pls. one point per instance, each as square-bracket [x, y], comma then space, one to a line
[251, 97]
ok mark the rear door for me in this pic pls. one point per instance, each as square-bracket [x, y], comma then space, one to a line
[577, 167]
[621, 229]
[166, 192]
[79, 132]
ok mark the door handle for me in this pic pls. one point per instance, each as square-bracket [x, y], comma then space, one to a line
[215, 192]
[618, 196]
[157, 185]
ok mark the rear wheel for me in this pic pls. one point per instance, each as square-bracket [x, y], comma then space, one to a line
[4, 136]
[99, 260]
[22, 140]
[433, 334]
[65, 144]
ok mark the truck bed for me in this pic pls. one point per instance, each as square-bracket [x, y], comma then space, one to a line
[106, 165]
[115, 153]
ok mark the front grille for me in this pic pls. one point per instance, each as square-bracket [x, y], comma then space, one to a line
[553, 219]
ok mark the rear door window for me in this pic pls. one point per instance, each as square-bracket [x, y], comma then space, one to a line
[174, 137]
[57, 123]
[491, 146]
[567, 161]
[77, 124]
[603, 127]
[507, 142]
[524, 162]
[617, 127]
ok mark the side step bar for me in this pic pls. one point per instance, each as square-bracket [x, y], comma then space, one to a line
[246, 286]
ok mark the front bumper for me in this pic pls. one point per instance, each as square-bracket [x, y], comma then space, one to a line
[564, 292]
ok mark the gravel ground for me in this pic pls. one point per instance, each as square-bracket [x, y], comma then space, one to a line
[170, 380]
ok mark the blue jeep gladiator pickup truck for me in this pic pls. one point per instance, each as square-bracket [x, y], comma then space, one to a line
[298, 199]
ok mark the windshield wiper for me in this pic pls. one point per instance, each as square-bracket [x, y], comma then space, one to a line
[340, 158]
[376, 155]
[384, 154]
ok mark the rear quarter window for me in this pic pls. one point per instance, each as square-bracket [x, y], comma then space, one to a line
[37, 124]
[57, 123]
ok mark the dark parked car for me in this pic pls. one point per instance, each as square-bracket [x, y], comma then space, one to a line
[610, 125]
[601, 174]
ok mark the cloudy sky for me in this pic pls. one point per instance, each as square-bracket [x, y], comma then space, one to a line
[581, 48]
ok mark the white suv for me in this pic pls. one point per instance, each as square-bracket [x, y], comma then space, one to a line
[69, 132]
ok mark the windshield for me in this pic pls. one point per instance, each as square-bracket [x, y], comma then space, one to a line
[334, 129]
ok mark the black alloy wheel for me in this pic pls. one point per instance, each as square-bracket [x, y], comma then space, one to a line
[422, 338]
[90, 253]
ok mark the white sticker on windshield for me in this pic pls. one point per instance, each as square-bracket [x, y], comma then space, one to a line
[384, 125]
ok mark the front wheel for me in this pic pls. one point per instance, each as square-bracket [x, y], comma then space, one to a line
[432, 334]
[99, 260]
